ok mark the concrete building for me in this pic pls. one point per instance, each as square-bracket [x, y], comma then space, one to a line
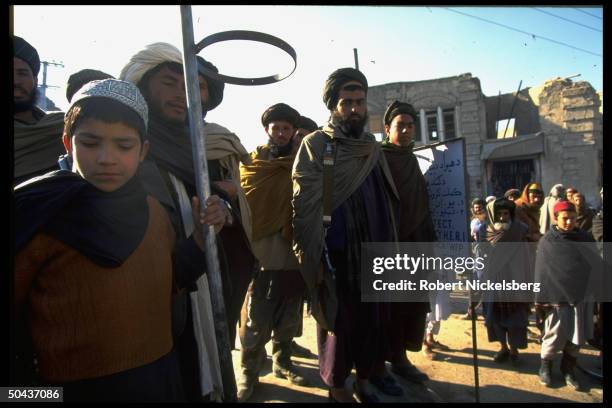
[550, 133]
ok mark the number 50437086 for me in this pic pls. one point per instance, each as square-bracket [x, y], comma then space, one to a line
[30, 394]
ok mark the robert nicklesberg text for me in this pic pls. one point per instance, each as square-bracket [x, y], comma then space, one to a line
[424, 284]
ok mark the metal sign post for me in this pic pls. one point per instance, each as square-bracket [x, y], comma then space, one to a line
[475, 351]
[196, 125]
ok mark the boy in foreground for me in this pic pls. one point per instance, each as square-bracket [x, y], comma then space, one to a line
[96, 263]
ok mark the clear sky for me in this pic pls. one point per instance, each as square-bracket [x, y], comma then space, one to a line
[394, 44]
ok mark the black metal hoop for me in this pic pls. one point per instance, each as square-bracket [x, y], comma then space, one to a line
[248, 36]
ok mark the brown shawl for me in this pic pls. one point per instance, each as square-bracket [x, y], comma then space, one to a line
[411, 187]
[529, 213]
[267, 185]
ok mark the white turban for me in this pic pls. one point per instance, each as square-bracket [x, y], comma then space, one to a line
[150, 57]
[557, 190]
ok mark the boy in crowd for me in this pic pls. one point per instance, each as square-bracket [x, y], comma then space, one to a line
[563, 270]
[96, 263]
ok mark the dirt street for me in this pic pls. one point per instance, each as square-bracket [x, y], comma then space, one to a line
[451, 376]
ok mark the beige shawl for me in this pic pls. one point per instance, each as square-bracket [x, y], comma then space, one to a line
[225, 146]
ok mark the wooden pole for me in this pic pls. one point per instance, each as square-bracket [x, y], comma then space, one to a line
[512, 108]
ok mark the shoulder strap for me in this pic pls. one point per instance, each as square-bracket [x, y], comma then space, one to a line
[329, 158]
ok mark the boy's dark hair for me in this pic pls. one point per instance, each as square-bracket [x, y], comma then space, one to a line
[103, 109]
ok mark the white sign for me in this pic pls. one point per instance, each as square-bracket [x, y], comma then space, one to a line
[443, 166]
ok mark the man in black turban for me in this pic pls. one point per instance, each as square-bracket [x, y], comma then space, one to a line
[342, 166]
[214, 86]
[405, 323]
[285, 121]
[351, 112]
[26, 65]
[305, 126]
[38, 135]
[80, 78]
[276, 294]
[400, 123]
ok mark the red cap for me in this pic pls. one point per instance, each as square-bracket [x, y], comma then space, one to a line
[563, 206]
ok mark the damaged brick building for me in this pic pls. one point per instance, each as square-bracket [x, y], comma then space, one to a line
[551, 133]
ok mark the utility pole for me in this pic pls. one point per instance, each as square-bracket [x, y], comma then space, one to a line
[356, 59]
[44, 86]
[512, 108]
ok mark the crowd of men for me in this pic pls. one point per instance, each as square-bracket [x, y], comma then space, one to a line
[110, 298]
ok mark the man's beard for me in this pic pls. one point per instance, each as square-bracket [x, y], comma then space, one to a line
[280, 151]
[24, 106]
[502, 226]
[353, 126]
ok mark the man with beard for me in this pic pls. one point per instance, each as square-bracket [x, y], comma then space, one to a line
[168, 175]
[275, 296]
[557, 193]
[506, 321]
[38, 135]
[406, 323]
[563, 268]
[342, 192]
[584, 215]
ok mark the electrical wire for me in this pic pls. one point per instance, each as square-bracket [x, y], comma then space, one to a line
[567, 19]
[588, 14]
[534, 36]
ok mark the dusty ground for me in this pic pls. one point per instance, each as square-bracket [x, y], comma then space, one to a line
[451, 376]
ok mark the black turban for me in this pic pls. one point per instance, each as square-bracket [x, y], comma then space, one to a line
[280, 111]
[24, 51]
[78, 79]
[308, 124]
[399, 108]
[504, 204]
[336, 80]
[215, 87]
